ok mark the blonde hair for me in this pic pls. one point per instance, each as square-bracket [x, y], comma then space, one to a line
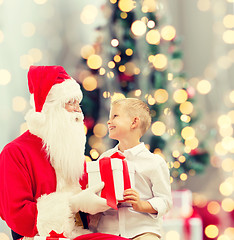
[136, 108]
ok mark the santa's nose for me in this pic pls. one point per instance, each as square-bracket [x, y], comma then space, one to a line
[77, 108]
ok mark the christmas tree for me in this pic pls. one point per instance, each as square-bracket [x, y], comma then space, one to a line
[138, 55]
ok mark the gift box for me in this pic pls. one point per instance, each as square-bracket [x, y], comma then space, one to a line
[182, 204]
[49, 238]
[116, 173]
[183, 228]
[53, 236]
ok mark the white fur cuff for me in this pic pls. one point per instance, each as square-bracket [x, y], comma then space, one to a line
[54, 214]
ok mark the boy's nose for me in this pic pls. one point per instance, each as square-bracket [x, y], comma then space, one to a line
[108, 122]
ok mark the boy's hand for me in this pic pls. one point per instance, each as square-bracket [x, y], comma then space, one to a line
[132, 196]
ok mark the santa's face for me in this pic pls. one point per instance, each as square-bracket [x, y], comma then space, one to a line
[64, 138]
[73, 106]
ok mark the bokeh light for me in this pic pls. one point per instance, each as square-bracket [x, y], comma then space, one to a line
[168, 33]
[153, 37]
[90, 83]
[186, 107]
[213, 207]
[94, 61]
[149, 6]
[226, 188]
[36, 54]
[160, 62]
[89, 14]
[180, 96]
[117, 96]
[100, 130]
[129, 51]
[228, 21]
[28, 29]
[161, 95]
[19, 104]
[126, 5]
[228, 36]
[227, 205]
[211, 231]
[188, 133]
[5, 77]
[203, 86]
[87, 51]
[138, 28]
[94, 153]
[158, 128]
[114, 42]
[26, 61]
[172, 235]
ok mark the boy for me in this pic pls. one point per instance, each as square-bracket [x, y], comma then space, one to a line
[140, 216]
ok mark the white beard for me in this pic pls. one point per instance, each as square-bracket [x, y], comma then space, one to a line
[64, 141]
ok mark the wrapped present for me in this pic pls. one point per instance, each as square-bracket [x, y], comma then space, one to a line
[182, 204]
[53, 236]
[49, 238]
[116, 173]
[183, 228]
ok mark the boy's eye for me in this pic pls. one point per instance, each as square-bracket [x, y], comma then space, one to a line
[115, 115]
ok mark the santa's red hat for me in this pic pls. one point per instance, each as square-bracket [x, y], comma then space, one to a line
[51, 83]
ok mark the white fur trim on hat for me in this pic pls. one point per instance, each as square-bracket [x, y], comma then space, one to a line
[65, 91]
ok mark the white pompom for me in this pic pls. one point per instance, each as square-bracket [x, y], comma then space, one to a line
[35, 120]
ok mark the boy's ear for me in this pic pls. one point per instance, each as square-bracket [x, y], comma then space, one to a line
[135, 122]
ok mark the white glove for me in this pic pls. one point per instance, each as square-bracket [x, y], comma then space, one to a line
[88, 201]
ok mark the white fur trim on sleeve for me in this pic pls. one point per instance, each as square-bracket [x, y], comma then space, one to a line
[54, 214]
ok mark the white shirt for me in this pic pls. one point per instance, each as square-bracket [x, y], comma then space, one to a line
[152, 182]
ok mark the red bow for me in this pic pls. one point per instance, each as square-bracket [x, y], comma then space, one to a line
[106, 173]
[55, 235]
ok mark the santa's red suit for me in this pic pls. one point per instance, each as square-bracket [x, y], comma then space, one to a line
[34, 200]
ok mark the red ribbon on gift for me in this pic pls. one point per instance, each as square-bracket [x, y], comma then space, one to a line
[53, 234]
[108, 192]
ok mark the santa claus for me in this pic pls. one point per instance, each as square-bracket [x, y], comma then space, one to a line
[40, 171]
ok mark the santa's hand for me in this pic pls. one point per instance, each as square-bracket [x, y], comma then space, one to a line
[88, 201]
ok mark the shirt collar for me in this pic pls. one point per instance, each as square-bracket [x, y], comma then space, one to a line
[131, 151]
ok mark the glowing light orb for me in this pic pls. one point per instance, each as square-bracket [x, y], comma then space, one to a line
[160, 62]
[158, 128]
[211, 231]
[186, 107]
[180, 96]
[28, 29]
[213, 207]
[87, 51]
[114, 42]
[153, 37]
[89, 83]
[5, 77]
[100, 130]
[126, 5]
[188, 133]
[94, 61]
[117, 96]
[161, 95]
[168, 33]
[138, 28]
[19, 104]
[88, 14]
